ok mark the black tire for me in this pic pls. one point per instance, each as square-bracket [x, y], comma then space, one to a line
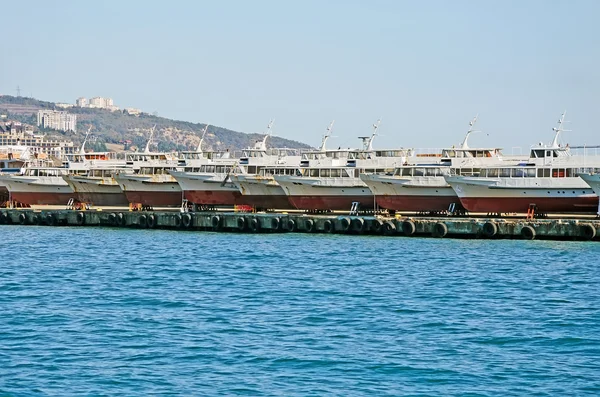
[37, 219]
[255, 225]
[377, 226]
[490, 229]
[328, 226]
[121, 219]
[345, 224]
[80, 219]
[178, 220]
[151, 221]
[22, 219]
[50, 219]
[291, 225]
[528, 233]
[440, 230]
[241, 223]
[112, 219]
[186, 220]
[3, 218]
[275, 223]
[588, 231]
[359, 224]
[389, 228]
[143, 221]
[408, 228]
[309, 225]
[215, 221]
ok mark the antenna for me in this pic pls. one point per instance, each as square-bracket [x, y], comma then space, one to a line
[464, 144]
[18, 91]
[147, 149]
[326, 136]
[369, 143]
[82, 150]
[558, 129]
[199, 150]
[263, 144]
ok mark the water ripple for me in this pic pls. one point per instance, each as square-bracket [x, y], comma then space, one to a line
[89, 311]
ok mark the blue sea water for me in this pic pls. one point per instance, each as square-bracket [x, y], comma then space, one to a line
[92, 311]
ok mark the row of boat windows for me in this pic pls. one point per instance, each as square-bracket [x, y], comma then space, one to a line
[429, 171]
[155, 170]
[531, 172]
[341, 172]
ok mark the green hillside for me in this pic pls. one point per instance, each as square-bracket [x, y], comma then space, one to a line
[118, 128]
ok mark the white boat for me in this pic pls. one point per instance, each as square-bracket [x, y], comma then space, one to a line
[332, 181]
[262, 191]
[592, 178]
[211, 184]
[547, 182]
[419, 184]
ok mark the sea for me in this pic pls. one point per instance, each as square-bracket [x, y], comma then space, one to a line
[119, 312]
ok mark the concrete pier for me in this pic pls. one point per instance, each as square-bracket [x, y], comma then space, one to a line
[439, 227]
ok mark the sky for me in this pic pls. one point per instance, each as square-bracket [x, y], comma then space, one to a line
[425, 68]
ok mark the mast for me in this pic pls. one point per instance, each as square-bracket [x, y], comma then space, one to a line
[326, 136]
[558, 129]
[262, 145]
[82, 150]
[147, 149]
[464, 144]
[368, 142]
[199, 150]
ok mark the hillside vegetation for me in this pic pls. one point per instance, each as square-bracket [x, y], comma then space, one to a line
[118, 128]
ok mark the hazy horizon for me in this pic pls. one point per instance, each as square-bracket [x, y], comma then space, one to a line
[426, 69]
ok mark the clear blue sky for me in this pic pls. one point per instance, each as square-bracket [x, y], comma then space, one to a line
[425, 67]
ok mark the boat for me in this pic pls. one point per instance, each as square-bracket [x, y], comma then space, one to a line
[547, 182]
[211, 184]
[419, 184]
[40, 182]
[262, 191]
[331, 181]
[148, 182]
[592, 178]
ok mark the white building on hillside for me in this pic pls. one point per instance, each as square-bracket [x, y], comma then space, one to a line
[57, 120]
[81, 102]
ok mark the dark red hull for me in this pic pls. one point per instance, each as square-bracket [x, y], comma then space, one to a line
[213, 197]
[335, 203]
[42, 198]
[521, 204]
[154, 198]
[279, 202]
[418, 203]
[103, 199]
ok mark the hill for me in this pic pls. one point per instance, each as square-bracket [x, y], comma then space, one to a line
[114, 128]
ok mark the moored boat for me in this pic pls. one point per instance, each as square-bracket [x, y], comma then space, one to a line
[548, 182]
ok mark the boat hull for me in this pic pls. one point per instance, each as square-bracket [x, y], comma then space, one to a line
[261, 192]
[560, 195]
[41, 198]
[97, 192]
[418, 203]
[332, 202]
[579, 204]
[213, 197]
[152, 190]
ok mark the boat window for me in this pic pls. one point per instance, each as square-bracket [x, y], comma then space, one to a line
[418, 171]
[325, 173]
[252, 169]
[504, 172]
[314, 172]
[406, 171]
[492, 172]
[429, 171]
[336, 173]
[516, 172]
[529, 172]
[571, 173]
[558, 173]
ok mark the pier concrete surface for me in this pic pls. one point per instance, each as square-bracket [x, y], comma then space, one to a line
[563, 228]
